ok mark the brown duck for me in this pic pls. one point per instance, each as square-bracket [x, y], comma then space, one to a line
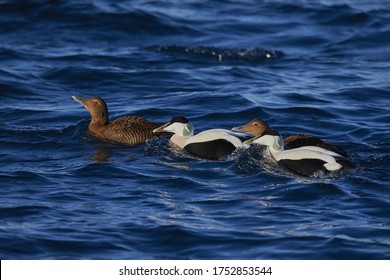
[129, 130]
[258, 127]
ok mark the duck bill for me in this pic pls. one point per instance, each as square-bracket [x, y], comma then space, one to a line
[161, 128]
[238, 129]
[250, 141]
[79, 99]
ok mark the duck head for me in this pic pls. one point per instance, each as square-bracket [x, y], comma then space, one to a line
[96, 107]
[178, 125]
[256, 127]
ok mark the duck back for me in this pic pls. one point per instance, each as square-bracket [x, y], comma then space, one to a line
[302, 140]
[130, 130]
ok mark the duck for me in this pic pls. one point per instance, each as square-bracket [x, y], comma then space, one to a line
[304, 160]
[213, 144]
[257, 127]
[127, 130]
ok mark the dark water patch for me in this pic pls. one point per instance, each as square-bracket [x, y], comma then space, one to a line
[176, 242]
[12, 248]
[22, 211]
[338, 15]
[341, 15]
[300, 112]
[296, 97]
[12, 92]
[247, 113]
[347, 77]
[9, 54]
[83, 76]
[40, 246]
[346, 250]
[91, 20]
[362, 133]
[20, 176]
[100, 170]
[36, 8]
[37, 136]
[312, 192]
[357, 94]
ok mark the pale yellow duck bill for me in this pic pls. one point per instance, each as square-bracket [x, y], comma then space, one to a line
[250, 141]
[237, 129]
[78, 99]
[161, 128]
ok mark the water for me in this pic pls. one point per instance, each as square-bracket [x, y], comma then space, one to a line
[317, 67]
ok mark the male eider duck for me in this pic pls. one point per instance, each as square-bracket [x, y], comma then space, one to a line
[304, 160]
[210, 144]
[129, 130]
[258, 127]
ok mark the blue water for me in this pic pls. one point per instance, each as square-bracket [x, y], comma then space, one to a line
[317, 67]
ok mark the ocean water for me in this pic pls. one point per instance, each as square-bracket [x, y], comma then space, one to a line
[316, 67]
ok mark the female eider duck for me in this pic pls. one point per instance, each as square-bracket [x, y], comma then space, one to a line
[210, 144]
[258, 127]
[129, 130]
[305, 160]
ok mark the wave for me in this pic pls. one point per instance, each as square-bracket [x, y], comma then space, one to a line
[22, 211]
[87, 16]
[37, 136]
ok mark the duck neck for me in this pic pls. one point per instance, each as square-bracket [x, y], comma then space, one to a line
[273, 153]
[98, 123]
[276, 148]
[99, 117]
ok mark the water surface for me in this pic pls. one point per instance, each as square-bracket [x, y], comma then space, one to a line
[319, 67]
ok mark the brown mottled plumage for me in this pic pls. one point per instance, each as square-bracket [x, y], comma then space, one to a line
[129, 130]
[258, 127]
